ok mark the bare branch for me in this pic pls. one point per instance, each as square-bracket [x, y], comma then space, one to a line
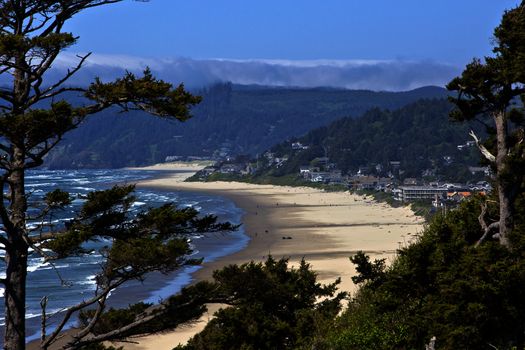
[37, 159]
[487, 229]
[146, 317]
[43, 306]
[94, 320]
[60, 91]
[49, 92]
[70, 311]
[486, 153]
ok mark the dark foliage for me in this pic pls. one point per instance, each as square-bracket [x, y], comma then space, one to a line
[469, 298]
[271, 307]
[370, 272]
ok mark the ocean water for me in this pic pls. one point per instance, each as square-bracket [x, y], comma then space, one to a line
[72, 280]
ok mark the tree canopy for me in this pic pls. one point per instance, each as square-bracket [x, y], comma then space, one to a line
[34, 117]
[271, 306]
[492, 91]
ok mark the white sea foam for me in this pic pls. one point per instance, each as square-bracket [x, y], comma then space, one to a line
[138, 204]
[64, 266]
[90, 280]
[41, 176]
[42, 184]
[84, 188]
[88, 263]
[81, 181]
[29, 315]
[35, 264]
[78, 201]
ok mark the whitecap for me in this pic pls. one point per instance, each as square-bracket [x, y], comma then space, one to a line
[33, 267]
[90, 280]
[42, 184]
[84, 188]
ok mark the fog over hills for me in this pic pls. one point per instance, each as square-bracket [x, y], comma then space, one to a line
[248, 105]
[377, 75]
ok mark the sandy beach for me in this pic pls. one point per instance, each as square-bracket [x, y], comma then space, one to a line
[294, 222]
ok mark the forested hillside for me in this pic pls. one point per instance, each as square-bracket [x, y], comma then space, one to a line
[233, 119]
[419, 135]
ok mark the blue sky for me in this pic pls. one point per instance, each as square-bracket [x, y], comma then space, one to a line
[443, 32]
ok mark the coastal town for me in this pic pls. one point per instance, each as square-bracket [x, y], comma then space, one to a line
[373, 178]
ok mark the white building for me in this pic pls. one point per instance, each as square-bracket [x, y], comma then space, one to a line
[411, 193]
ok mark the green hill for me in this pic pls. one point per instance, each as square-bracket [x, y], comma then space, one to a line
[232, 119]
[419, 136]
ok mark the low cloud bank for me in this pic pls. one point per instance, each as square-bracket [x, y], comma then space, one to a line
[379, 75]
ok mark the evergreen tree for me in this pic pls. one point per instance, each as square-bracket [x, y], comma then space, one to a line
[270, 306]
[490, 89]
[32, 36]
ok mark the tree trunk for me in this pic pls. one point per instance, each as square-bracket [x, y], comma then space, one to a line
[16, 257]
[506, 214]
[15, 296]
[505, 186]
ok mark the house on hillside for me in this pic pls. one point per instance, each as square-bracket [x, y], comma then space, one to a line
[395, 164]
[372, 183]
[458, 196]
[335, 177]
[231, 169]
[321, 177]
[363, 171]
[296, 146]
[304, 170]
[410, 181]
[279, 162]
[485, 170]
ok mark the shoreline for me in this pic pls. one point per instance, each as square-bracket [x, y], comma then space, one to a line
[325, 228]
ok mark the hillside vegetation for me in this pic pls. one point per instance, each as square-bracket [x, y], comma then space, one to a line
[232, 119]
[419, 136]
